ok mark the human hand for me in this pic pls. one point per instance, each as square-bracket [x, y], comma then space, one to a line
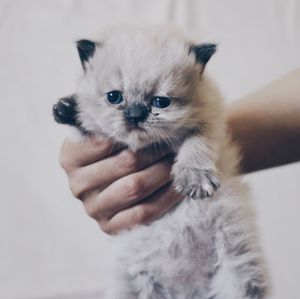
[119, 189]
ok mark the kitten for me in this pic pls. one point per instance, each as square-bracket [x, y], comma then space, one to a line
[148, 85]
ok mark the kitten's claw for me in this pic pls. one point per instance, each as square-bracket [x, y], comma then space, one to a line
[194, 182]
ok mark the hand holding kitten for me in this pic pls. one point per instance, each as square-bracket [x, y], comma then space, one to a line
[142, 178]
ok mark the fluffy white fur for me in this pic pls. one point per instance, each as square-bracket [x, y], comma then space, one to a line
[203, 248]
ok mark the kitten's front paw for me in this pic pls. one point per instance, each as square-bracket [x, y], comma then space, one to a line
[195, 182]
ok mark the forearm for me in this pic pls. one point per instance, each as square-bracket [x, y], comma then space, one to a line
[266, 124]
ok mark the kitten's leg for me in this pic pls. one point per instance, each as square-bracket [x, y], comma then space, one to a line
[240, 271]
[194, 172]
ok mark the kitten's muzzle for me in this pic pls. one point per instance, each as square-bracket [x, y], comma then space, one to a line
[136, 113]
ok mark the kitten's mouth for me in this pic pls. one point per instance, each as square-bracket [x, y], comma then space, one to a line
[134, 127]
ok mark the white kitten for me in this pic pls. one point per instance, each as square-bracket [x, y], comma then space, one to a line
[147, 85]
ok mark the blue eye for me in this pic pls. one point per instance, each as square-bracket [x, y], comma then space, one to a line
[161, 102]
[115, 97]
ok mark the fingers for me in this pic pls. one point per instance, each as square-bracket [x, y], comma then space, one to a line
[122, 189]
[101, 174]
[129, 189]
[76, 153]
[150, 209]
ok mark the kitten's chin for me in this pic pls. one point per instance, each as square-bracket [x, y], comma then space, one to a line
[136, 139]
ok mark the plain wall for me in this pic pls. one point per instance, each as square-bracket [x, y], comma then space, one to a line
[49, 247]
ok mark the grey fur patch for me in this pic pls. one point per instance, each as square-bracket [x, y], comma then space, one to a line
[159, 290]
[212, 273]
[254, 291]
[241, 249]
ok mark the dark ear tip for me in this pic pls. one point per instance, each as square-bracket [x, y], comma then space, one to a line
[203, 52]
[212, 47]
[86, 49]
[85, 43]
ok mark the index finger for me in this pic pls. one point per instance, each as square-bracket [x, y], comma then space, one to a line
[77, 153]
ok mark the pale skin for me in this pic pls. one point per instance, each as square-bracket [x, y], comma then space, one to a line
[123, 189]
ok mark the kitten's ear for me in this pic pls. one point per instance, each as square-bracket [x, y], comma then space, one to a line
[86, 49]
[203, 52]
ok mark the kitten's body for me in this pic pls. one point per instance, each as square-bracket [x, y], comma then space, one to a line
[201, 249]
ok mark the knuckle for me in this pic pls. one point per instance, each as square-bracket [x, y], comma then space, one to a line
[128, 161]
[106, 227]
[64, 159]
[91, 211]
[64, 162]
[141, 215]
[134, 187]
[78, 185]
[76, 190]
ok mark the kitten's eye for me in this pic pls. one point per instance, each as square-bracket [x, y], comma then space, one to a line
[161, 102]
[115, 97]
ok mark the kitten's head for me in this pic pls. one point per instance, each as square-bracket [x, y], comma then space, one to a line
[140, 86]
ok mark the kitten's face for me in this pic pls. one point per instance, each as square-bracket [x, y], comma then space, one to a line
[139, 87]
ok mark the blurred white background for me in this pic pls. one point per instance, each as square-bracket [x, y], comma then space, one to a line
[49, 247]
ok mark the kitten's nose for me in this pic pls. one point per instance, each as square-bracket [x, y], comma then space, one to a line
[136, 113]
